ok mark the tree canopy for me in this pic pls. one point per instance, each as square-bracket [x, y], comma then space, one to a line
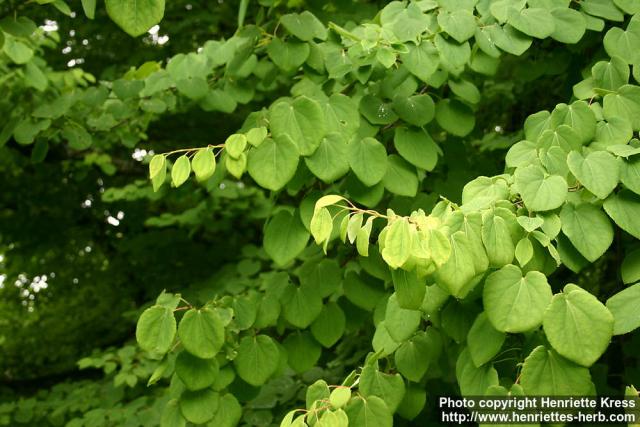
[314, 213]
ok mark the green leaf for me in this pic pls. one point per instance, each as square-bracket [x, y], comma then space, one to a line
[158, 179]
[453, 55]
[540, 192]
[409, 288]
[229, 412]
[362, 237]
[199, 406]
[630, 174]
[62, 6]
[459, 269]
[534, 22]
[598, 171]
[354, 225]
[172, 301]
[255, 136]
[529, 224]
[622, 150]
[578, 116]
[287, 55]
[474, 381]
[624, 308]
[268, 311]
[201, 332]
[273, 164]
[245, 310]
[615, 131]
[330, 324]
[386, 56]
[236, 167]
[465, 90]
[535, 124]
[623, 44]
[630, 7]
[341, 115]
[235, 145]
[339, 397]
[127, 89]
[196, 373]
[77, 136]
[397, 243]
[407, 24]
[34, 76]
[257, 359]
[160, 372]
[369, 412]
[484, 341]
[288, 419]
[329, 162]
[487, 47]
[360, 293]
[509, 39]
[400, 322]
[18, 26]
[602, 9]
[416, 147]
[218, 100]
[414, 356]
[135, 17]
[421, 60]
[376, 111]
[203, 164]
[156, 329]
[321, 225]
[623, 208]
[497, 240]
[610, 75]
[304, 26]
[483, 192]
[89, 7]
[302, 120]
[171, 415]
[301, 306]
[323, 276]
[584, 89]
[513, 302]
[180, 170]
[417, 110]
[570, 25]
[524, 251]
[562, 139]
[625, 103]
[401, 177]
[319, 390]
[157, 165]
[285, 237]
[500, 9]
[455, 117]
[413, 403]
[569, 255]
[459, 24]
[303, 351]
[389, 388]
[17, 51]
[578, 326]
[546, 373]
[630, 269]
[368, 160]
[587, 228]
